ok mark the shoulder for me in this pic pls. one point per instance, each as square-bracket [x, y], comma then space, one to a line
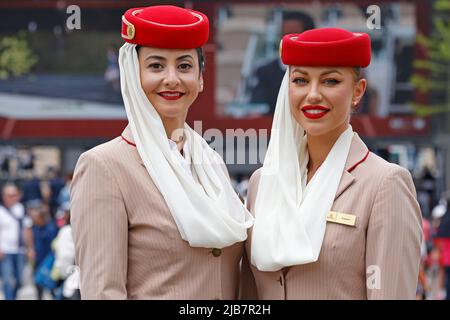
[107, 150]
[108, 155]
[19, 210]
[101, 164]
[394, 192]
[377, 166]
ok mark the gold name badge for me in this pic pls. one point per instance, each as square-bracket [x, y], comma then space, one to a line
[341, 218]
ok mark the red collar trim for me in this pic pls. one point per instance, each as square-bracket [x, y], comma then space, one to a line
[359, 162]
[128, 141]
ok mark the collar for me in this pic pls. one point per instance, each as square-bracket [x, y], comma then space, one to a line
[127, 136]
[358, 154]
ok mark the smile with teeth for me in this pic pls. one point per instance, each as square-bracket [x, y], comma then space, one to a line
[171, 95]
[315, 112]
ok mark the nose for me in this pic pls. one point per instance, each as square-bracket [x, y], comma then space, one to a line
[314, 95]
[171, 79]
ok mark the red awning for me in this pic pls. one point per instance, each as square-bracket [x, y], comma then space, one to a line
[39, 117]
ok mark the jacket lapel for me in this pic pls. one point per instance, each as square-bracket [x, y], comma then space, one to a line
[357, 154]
[127, 136]
[346, 181]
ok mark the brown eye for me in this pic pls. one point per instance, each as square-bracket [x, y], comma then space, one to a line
[185, 66]
[155, 66]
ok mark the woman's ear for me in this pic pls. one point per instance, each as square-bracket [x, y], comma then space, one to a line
[201, 83]
[358, 91]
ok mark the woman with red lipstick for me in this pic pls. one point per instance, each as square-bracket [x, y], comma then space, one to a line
[332, 219]
[154, 214]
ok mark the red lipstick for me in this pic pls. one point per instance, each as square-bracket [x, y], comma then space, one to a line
[171, 95]
[315, 112]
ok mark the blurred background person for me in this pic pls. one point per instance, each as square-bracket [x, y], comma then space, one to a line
[12, 257]
[56, 184]
[39, 234]
[64, 250]
[64, 194]
[423, 286]
[435, 271]
[31, 188]
[266, 80]
[442, 245]
[112, 76]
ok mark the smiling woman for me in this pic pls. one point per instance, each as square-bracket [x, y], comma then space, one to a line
[315, 92]
[171, 80]
[333, 221]
[154, 214]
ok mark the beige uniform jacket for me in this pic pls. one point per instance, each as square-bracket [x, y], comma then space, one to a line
[127, 243]
[377, 258]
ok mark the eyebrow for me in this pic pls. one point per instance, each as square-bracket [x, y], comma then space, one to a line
[155, 57]
[164, 59]
[323, 73]
[186, 56]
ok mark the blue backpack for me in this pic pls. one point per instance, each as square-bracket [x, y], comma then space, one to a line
[42, 277]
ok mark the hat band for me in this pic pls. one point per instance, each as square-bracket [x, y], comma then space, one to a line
[199, 17]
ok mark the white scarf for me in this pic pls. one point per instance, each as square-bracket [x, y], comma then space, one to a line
[208, 213]
[290, 216]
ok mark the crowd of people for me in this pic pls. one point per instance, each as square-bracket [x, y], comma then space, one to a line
[35, 232]
[434, 275]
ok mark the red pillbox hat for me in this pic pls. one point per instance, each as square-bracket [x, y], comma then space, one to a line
[326, 47]
[168, 27]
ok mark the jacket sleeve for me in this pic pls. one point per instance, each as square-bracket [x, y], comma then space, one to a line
[394, 237]
[100, 229]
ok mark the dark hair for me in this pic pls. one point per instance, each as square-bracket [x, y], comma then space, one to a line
[200, 55]
[304, 18]
[201, 58]
[357, 72]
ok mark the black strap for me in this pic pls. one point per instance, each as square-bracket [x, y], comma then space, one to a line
[20, 221]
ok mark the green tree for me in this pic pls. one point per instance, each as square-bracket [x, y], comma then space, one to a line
[434, 72]
[16, 58]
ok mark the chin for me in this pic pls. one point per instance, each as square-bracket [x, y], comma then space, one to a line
[171, 111]
[314, 129]
[166, 113]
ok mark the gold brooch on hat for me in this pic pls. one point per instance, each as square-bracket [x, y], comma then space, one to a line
[131, 31]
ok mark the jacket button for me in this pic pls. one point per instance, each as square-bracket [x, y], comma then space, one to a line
[216, 252]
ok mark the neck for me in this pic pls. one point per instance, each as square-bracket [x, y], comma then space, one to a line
[174, 130]
[320, 146]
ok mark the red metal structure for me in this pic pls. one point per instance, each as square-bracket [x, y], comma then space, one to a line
[204, 108]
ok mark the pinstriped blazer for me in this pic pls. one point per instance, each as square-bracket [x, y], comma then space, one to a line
[378, 258]
[127, 243]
